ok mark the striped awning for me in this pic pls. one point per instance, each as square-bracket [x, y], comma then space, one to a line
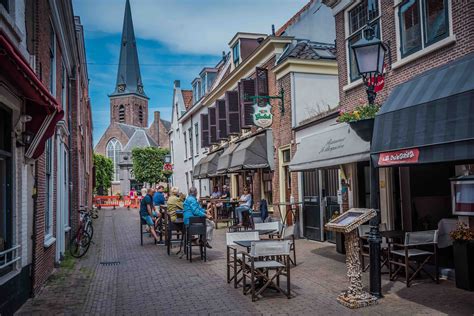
[428, 119]
[207, 166]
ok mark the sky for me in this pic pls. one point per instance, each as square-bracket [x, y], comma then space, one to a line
[175, 40]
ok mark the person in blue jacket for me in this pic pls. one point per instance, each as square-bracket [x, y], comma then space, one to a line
[159, 197]
[192, 208]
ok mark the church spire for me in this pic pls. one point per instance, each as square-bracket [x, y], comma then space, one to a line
[129, 80]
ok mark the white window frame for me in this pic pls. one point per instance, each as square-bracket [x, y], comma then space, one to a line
[450, 39]
[49, 207]
[347, 35]
[115, 159]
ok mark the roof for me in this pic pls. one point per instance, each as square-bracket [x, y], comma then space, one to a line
[293, 19]
[308, 50]
[166, 124]
[127, 129]
[139, 139]
[129, 79]
[188, 98]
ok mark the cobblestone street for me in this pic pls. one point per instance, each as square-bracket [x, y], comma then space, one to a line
[147, 281]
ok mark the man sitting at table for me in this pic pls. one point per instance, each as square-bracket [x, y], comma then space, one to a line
[148, 214]
[175, 203]
[192, 208]
[245, 202]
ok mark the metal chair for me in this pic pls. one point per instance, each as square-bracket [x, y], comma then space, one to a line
[262, 259]
[414, 249]
[289, 234]
[173, 229]
[234, 258]
[196, 226]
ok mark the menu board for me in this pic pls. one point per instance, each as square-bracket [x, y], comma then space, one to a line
[350, 220]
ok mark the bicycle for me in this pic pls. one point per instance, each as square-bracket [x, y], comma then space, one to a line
[80, 244]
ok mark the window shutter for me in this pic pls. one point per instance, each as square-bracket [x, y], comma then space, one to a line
[233, 112]
[261, 85]
[246, 88]
[221, 120]
[212, 126]
[204, 130]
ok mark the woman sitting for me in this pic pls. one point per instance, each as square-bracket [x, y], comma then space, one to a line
[175, 203]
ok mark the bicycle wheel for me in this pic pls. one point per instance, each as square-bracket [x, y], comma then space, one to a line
[80, 244]
[90, 229]
[94, 213]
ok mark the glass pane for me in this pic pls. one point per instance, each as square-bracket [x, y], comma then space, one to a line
[436, 25]
[410, 30]
[354, 73]
[358, 15]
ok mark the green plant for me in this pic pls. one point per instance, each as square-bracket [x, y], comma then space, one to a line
[462, 233]
[104, 170]
[148, 164]
[361, 112]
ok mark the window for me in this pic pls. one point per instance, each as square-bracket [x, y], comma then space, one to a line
[113, 151]
[203, 84]
[191, 148]
[357, 19]
[286, 156]
[196, 136]
[48, 211]
[185, 146]
[267, 186]
[122, 114]
[236, 54]
[140, 114]
[422, 23]
[52, 61]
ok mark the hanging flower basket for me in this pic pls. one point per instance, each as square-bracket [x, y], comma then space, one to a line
[361, 119]
[363, 128]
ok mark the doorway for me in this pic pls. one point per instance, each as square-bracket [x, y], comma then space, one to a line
[312, 218]
[330, 185]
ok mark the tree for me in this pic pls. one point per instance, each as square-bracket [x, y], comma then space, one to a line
[104, 170]
[148, 164]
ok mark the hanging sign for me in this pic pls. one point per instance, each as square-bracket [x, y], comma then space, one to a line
[399, 157]
[262, 115]
[168, 167]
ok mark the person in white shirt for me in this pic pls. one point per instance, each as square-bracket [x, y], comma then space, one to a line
[245, 204]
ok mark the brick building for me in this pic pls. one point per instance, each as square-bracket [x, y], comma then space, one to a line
[129, 114]
[42, 67]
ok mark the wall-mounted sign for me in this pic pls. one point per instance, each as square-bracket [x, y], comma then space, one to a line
[399, 157]
[262, 115]
[168, 166]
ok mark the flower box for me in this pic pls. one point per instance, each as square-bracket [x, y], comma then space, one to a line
[363, 128]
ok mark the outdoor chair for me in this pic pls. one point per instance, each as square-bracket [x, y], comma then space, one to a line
[234, 258]
[266, 257]
[196, 226]
[419, 247]
[364, 248]
[175, 229]
[289, 234]
[275, 226]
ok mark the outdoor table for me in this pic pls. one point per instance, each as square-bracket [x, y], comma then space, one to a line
[248, 243]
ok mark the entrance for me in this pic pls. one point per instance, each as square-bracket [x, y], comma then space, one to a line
[330, 185]
[6, 216]
[312, 206]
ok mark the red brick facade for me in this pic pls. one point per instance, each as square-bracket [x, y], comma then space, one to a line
[136, 110]
[463, 29]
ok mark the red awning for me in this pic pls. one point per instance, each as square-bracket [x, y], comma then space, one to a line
[40, 104]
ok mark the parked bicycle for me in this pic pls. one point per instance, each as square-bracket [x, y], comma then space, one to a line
[80, 244]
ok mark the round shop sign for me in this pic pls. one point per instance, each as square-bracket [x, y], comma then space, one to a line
[262, 115]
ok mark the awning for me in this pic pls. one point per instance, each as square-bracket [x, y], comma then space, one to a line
[225, 159]
[429, 118]
[197, 168]
[40, 104]
[251, 154]
[336, 145]
[209, 165]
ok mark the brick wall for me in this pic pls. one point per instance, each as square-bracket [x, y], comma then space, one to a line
[112, 131]
[132, 104]
[463, 28]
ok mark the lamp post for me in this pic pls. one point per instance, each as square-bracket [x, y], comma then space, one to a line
[167, 162]
[369, 54]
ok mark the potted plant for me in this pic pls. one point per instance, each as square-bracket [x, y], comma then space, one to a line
[361, 119]
[463, 250]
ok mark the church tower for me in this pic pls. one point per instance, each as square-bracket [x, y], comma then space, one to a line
[128, 102]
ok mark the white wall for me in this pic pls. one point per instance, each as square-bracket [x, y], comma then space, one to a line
[313, 94]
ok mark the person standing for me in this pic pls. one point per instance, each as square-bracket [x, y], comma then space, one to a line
[192, 208]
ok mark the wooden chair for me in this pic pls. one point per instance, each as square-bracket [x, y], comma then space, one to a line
[196, 226]
[414, 249]
[261, 261]
[234, 258]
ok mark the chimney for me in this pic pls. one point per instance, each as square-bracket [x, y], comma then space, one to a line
[273, 29]
[223, 55]
[157, 113]
[177, 84]
[156, 122]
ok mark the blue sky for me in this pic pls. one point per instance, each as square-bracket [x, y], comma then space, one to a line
[175, 39]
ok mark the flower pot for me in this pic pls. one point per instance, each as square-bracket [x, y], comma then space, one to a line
[464, 264]
[363, 128]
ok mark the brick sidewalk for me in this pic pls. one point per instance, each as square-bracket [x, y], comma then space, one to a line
[147, 281]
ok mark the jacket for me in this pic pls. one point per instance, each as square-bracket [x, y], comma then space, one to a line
[192, 208]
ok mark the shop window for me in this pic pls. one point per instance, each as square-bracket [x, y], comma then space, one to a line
[422, 23]
[267, 186]
[113, 151]
[357, 19]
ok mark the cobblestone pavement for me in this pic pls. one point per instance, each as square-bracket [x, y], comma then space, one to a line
[148, 281]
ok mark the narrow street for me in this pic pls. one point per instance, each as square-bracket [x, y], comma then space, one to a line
[119, 277]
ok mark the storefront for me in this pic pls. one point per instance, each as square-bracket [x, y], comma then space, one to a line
[331, 163]
[424, 135]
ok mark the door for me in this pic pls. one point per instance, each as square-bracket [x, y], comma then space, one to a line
[330, 182]
[312, 228]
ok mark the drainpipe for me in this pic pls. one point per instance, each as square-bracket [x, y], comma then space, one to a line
[69, 154]
[34, 234]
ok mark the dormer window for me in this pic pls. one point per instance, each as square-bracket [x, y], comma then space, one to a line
[236, 54]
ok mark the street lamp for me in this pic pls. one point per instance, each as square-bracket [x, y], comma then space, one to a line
[167, 162]
[167, 158]
[369, 54]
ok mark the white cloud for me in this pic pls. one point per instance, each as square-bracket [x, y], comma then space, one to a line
[188, 26]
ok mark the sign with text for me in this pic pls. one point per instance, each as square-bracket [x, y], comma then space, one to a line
[262, 116]
[398, 157]
[168, 166]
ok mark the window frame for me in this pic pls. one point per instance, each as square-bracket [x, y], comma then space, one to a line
[196, 136]
[349, 36]
[49, 179]
[190, 138]
[185, 146]
[236, 57]
[115, 159]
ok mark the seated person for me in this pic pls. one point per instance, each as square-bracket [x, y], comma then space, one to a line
[175, 203]
[148, 214]
[225, 192]
[245, 203]
[192, 208]
[216, 193]
[159, 197]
